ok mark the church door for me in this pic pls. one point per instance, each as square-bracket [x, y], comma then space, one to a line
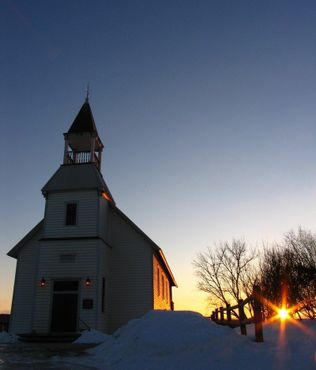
[65, 306]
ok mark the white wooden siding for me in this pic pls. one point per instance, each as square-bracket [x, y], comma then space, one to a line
[104, 272]
[126, 263]
[103, 217]
[131, 272]
[87, 214]
[24, 287]
[88, 254]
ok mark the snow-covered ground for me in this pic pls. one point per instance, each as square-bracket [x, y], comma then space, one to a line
[7, 338]
[164, 340]
[92, 336]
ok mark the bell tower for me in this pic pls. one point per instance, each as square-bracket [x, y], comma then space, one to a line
[82, 141]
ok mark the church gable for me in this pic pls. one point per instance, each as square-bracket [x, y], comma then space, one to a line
[34, 234]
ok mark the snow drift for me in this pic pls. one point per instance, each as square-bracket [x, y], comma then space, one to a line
[186, 340]
[91, 336]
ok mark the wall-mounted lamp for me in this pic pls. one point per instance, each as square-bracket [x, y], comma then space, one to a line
[87, 282]
[42, 283]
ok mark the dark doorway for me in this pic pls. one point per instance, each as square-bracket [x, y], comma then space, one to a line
[65, 306]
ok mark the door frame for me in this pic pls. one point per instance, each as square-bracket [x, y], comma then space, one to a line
[78, 292]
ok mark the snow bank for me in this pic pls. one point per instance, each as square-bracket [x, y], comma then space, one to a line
[164, 340]
[7, 338]
[162, 332]
[92, 336]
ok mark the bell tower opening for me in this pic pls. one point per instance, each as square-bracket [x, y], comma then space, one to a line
[82, 141]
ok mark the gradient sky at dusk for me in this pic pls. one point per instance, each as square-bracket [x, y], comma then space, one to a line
[207, 110]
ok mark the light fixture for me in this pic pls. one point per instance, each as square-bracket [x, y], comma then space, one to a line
[42, 283]
[88, 282]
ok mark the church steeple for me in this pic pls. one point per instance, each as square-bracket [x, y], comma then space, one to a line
[82, 141]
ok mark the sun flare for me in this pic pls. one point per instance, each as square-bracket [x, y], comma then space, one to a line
[283, 313]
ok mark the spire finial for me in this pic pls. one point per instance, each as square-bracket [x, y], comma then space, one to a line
[87, 93]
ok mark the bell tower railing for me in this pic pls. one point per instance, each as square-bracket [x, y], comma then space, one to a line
[81, 157]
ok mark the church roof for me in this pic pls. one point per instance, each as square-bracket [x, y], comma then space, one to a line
[77, 177]
[16, 249]
[155, 247]
[84, 121]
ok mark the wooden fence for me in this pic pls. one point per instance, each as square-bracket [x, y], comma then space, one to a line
[223, 316]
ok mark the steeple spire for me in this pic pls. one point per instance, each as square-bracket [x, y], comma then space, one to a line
[87, 93]
[82, 142]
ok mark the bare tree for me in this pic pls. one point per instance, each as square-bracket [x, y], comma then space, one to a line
[225, 272]
[288, 273]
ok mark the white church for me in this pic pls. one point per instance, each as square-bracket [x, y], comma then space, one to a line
[85, 264]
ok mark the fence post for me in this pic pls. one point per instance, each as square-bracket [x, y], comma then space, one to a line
[258, 317]
[229, 314]
[242, 317]
[221, 313]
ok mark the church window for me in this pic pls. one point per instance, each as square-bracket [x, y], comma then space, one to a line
[71, 214]
[166, 291]
[158, 280]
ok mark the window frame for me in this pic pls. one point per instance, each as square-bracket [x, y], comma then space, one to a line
[158, 281]
[68, 217]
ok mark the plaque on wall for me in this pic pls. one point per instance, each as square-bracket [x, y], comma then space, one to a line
[87, 304]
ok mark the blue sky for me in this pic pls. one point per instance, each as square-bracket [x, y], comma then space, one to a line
[206, 109]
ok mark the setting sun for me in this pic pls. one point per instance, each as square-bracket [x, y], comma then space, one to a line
[283, 313]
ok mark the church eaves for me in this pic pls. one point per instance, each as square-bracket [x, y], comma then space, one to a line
[85, 176]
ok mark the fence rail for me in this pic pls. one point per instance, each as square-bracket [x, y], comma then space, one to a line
[255, 300]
